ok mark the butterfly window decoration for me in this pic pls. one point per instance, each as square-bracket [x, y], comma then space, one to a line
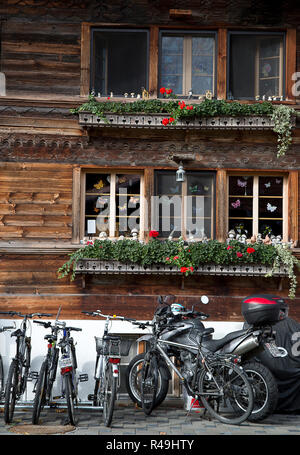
[99, 185]
[271, 208]
[242, 184]
[236, 204]
[268, 185]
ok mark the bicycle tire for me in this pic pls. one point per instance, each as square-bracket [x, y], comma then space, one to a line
[70, 398]
[40, 393]
[149, 382]
[110, 395]
[133, 381]
[10, 395]
[52, 373]
[1, 379]
[235, 404]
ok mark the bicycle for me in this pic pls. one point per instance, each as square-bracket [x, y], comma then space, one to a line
[109, 351]
[47, 374]
[18, 372]
[218, 380]
[3, 329]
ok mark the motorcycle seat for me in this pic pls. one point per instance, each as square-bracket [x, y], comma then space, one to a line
[215, 345]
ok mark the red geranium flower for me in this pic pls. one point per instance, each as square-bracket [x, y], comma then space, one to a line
[190, 108]
[239, 255]
[171, 120]
[162, 90]
[175, 257]
[191, 268]
[153, 234]
[165, 121]
[169, 91]
[89, 242]
[229, 247]
[184, 269]
[250, 250]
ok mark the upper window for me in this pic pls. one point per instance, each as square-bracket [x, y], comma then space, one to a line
[186, 208]
[119, 61]
[255, 65]
[187, 62]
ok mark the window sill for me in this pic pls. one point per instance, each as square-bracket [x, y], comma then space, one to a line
[154, 121]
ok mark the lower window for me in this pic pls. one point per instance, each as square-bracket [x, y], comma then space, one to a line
[186, 208]
[258, 205]
[112, 203]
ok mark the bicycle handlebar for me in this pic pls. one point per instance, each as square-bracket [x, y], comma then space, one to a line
[107, 316]
[30, 315]
[3, 329]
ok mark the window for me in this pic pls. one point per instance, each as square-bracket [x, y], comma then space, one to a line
[187, 61]
[256, 63]
[112, 203]
[185, 209]
[258, 204]
[119, 61]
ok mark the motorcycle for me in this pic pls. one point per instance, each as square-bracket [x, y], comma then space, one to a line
[260, 313]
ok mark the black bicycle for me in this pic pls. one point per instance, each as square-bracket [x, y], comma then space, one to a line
[3, 329]
[18, 372]
[68, 367]
[48, 370]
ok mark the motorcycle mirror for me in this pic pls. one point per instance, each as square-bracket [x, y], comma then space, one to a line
[204, 299]
[159, 299]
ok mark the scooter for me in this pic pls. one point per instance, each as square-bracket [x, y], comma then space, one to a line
[260, 313]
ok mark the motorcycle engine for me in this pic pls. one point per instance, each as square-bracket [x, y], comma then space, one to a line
[188, 361]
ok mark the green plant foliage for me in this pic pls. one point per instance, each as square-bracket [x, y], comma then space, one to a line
[185, 256]
[281, 114]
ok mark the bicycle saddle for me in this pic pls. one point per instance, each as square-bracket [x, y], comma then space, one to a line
[16, 333]
[111, 337]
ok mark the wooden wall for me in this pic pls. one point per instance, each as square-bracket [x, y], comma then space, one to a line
[40, 41]
[29, 283]
[35, 201]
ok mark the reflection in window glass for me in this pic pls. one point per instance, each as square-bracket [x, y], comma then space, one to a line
[188, 62]
[186, 208]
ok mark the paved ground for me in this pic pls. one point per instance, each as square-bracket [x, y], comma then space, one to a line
[169, 419]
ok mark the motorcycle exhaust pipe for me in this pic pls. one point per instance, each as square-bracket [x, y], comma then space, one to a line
[247, 345]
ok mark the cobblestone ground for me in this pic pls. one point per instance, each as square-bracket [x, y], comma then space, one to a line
[168, 419]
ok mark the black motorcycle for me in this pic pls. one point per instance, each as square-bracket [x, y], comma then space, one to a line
[260, 313]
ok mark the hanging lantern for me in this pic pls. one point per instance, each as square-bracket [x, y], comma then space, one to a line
[180, 174]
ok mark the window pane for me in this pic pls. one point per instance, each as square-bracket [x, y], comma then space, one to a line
[172, 63]
[127, 203]
[168, 204]
[255, 66]
[271, 205]
[241, 204]
[119, 62]
[97, 201]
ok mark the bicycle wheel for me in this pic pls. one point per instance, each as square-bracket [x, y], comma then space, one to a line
[133, 381]
[70, 397]
[10, 394]
[226, 392]
[149, 382]
[110, 395]
[1, 379]
[40, 393]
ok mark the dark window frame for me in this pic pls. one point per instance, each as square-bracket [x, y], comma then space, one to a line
[251, 33]
[117, 30]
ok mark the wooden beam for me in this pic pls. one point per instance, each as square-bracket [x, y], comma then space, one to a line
[221, 70]
[221, 205]
[293, 229]
[76, 205]
[85, 59]
[290, 65]
[153, 60]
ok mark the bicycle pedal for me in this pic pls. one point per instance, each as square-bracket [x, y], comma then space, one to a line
[57, 398]
[90, 397]
[83, 377]
[33, 375]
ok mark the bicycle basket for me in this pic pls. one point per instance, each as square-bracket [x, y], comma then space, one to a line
[113, 347]
[107, 346]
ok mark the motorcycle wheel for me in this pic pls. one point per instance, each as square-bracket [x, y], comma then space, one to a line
[133, 381]
[265, 390]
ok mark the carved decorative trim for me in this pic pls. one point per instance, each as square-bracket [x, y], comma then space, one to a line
[92, 266]
[155, 121]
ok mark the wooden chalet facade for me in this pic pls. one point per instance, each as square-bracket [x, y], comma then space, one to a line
[53, 54]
